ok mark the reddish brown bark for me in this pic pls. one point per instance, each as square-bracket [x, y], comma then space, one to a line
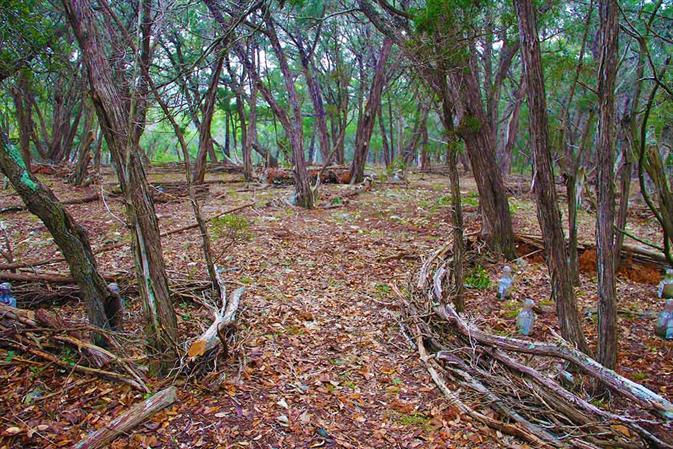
[111, 99]
[605, 219]
[548, 211]
[368, 119]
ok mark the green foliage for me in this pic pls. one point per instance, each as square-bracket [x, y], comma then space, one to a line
[235, 227]
[471, 199]
[478, 278]
[337, 201]
[397, 165]
[383, 290]
[10, 356]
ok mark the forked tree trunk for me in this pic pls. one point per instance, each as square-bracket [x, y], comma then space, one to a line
[112, 107]
[605, 220]
[368, 119]
[548, 212]
[315, 92]
[103, 308]
[475, 131]
[205, 136]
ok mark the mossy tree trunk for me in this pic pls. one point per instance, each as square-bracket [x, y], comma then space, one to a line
[103, 308]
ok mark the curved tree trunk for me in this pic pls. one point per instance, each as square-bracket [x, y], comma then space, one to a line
[104, 309]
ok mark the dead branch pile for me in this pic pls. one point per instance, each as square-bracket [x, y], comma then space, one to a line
[527, 384]
[335, 174]
[48, 337]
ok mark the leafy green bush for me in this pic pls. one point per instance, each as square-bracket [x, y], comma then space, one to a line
[478, 278]
[232, 226]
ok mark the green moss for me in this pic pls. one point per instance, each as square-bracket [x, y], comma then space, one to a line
[414, 419]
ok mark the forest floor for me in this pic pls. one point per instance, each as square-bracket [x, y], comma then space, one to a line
[320, 358]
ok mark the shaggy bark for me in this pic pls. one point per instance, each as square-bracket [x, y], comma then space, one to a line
[111, 99]
[605, 220]
[368, 119]
[205, 136]
[548, 212]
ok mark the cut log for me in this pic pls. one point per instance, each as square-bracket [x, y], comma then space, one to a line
[224, 316]
[137, 414]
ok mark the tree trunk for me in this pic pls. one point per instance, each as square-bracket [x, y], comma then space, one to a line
[475, 131]
[315, 92]
[548, 212]
[84, 151]
[605, 220]
[103, 307]
[205, 136]
[457, 208]
[368, 118]
[23, 117]
[112, 106]
[251, 133]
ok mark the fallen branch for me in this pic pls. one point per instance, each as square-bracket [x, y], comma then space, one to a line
[39, 332]
[86, 199]
[137, 414]
[224, 317]
[529, 393]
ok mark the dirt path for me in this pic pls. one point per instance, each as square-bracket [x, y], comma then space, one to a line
[326, 361]
[320, 360]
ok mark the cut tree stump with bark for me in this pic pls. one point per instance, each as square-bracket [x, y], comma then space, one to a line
[137, 414]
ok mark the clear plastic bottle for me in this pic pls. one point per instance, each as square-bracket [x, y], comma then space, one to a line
[664, 327]
[525, 320]
[666, 285]
[6, 296]
[505, 283]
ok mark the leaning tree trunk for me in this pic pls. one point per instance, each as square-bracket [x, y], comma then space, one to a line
[103, 307]
[548, 212]
[112, 107]
[205, 136]
[605, 220]
[294, 128]
[366, 124]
